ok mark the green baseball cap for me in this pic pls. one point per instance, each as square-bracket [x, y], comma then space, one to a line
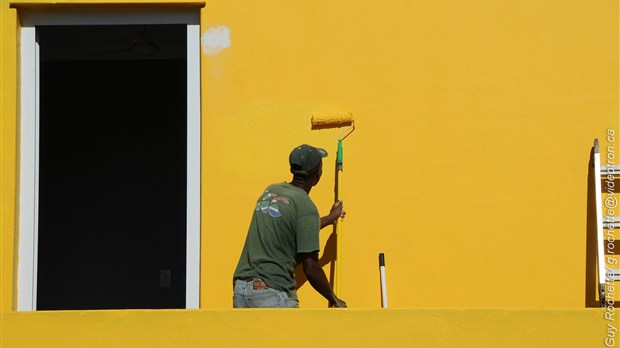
[304, 158]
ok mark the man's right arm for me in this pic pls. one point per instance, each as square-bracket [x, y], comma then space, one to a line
[318, 280]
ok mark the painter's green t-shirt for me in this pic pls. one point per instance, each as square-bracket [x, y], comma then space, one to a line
[285, 223]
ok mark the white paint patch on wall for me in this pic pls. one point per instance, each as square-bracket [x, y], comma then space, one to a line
[215, 39]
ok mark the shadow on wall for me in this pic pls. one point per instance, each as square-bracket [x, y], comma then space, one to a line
[328, 257]
[591, 278]
[329, 250]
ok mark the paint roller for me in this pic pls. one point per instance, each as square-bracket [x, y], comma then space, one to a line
[332, 120]
[336, 120]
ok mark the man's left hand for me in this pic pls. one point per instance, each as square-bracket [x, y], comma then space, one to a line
[337, 211]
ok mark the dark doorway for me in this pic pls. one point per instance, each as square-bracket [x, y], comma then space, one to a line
[112, 167]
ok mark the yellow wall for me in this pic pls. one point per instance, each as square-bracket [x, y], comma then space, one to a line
[8, 146]
[469, 164]
[434, 328]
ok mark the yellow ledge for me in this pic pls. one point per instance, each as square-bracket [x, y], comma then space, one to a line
[435, 328]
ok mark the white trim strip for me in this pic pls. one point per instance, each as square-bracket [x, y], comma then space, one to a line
[26, 264]
[192, 298]
[35, 249]
[96, 17]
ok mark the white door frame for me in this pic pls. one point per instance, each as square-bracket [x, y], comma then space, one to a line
[29, 160]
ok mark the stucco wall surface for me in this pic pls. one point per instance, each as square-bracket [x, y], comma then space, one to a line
[431, 328]
[468, 167]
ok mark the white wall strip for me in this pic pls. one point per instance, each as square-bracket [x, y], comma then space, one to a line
[192, 299]
[26, 264]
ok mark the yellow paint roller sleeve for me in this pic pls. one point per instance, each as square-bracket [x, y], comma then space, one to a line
[332, 120]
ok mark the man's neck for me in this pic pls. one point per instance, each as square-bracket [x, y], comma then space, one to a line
[301, 184]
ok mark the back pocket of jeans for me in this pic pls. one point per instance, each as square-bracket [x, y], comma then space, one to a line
[263, 299]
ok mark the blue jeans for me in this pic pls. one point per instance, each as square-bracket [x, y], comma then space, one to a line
[245, 296]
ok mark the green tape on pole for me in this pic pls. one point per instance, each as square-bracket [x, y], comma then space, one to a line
[339, 158]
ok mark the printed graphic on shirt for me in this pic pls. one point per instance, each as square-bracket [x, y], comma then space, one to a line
[269, 204]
